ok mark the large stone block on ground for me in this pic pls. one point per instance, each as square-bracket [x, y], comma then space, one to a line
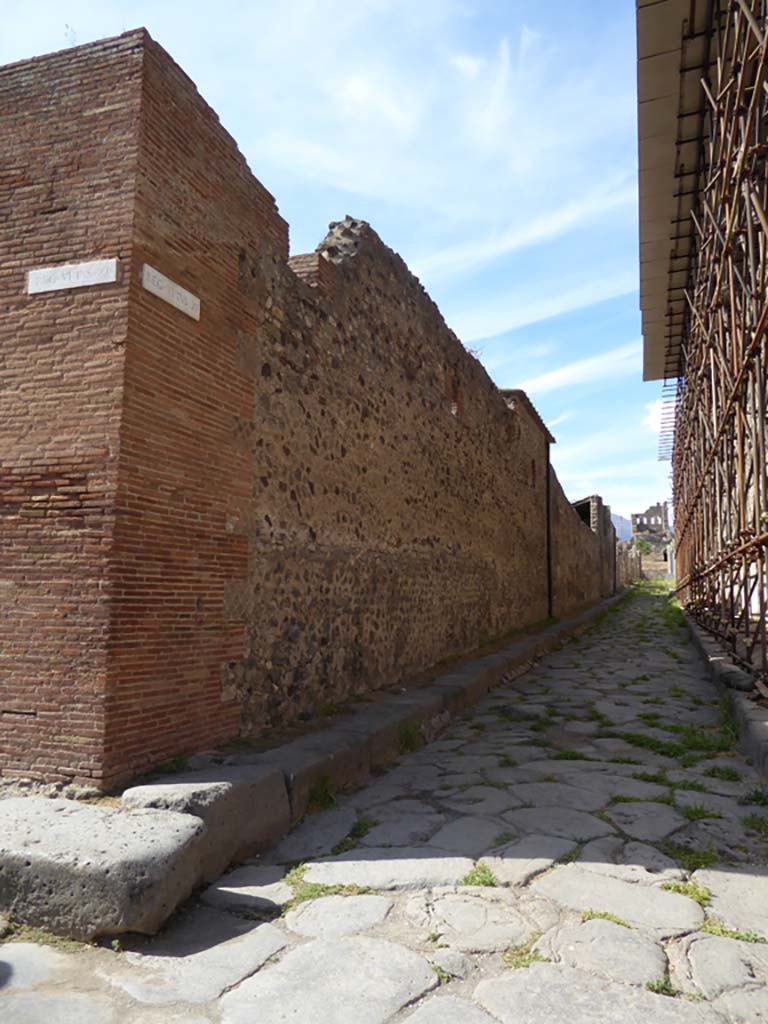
[245, 809]
[87, 870]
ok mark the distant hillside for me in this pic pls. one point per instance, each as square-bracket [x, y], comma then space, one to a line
[622, 526]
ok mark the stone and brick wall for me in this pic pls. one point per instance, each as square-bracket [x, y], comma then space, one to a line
[308, 493]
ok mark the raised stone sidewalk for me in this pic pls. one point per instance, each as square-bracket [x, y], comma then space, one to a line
[585, 846]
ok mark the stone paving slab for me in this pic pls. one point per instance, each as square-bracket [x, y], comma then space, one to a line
[254, 887]
[551, 994]
[332, 982]
[558, 821]
[61, 1008]
[520, 861]
[607, 949]
[390, 868]
[448, 1010]
[201, 955]
[664, 914]
[739, 896]
[709, 965]
[27, 964]
[333, 916]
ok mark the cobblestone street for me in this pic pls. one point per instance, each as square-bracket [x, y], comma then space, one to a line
[586, 845]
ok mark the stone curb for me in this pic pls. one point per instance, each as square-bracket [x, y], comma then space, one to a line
[734, 683]
[236, 806]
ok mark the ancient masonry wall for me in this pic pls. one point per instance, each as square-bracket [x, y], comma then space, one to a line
[583, 551]
[307, 493]
[68, 149]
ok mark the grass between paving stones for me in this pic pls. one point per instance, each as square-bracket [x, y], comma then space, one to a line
[724, 772]
[757, 796]
[304, 891]
[713, 926]
[662, 987]
[697, 812]
[443, 976]
[505, 761]
[571, 855]
[603, 915]
[756, 823]
[360, 828]
[503, 838]
[687, 857]
[17, 932]
[480, 874]
[519, 957]
[570, 755]
[699, 893]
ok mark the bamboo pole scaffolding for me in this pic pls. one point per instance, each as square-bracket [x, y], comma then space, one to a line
[716, 391]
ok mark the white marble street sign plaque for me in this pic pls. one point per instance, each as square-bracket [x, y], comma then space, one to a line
[71, 275]
[171, 292]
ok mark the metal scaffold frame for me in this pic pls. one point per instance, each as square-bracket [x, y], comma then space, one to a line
[720, 481]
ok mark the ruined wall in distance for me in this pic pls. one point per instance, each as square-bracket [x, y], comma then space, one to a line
[583, 553]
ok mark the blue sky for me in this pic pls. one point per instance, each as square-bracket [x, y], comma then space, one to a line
[490, 142]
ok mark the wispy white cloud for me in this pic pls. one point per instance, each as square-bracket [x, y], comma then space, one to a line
[625, 359]
[562, 418]
[652, 419]
[512, 309]
[470, 255]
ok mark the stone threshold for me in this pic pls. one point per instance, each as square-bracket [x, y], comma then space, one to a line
[88, 870]
[735, 683]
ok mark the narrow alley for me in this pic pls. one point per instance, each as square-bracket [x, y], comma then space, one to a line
[587, 845]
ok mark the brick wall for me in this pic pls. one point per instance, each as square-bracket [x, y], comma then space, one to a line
[68, 150]
[310, 492]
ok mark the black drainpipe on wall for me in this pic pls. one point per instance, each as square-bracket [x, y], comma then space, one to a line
[549, 542]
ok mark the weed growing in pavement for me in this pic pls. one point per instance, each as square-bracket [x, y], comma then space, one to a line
[409, 738]
[699, 893]
[757, 796]
[660, 778]
[522, 956]
[571, 855]
[321, 795]
[16, 932]
[697, 812]
[725, 772]
[304, 891]
[505, 761]
[715, 927]
[360, 828]
[756, 823]
[624, 760]
[687, 857]
[603, 915]
[570, 755]
[480, 874]
[691, 785]
[662, 987]
[503, 838]
[443, 976]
